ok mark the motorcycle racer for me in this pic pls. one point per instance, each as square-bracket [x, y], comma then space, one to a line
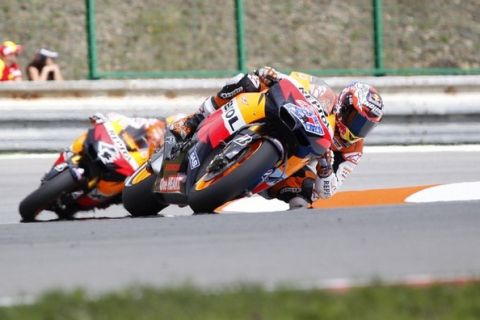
[138, 135]
[352, 115]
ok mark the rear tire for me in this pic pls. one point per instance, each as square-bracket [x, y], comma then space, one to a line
[46, 194]
[138, 198]
[234, 183]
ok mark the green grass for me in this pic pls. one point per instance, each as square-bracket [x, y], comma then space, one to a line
[256, 303]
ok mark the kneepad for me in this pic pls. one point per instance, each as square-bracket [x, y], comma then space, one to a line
[286, 193]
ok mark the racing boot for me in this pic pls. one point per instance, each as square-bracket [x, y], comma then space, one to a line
[298, 203]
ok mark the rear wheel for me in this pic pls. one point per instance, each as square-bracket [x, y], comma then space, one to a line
[211, 192]
[138, 197]
[46, 194]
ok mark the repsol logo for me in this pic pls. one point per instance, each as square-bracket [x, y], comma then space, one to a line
[314, 101]
[232, 117]
[119, 144]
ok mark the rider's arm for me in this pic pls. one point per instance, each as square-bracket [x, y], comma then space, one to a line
[252, 82]
[333, 169]
[185, 127]
[256, 81]
[239, 84]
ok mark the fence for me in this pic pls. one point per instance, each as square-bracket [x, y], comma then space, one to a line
[219, 38]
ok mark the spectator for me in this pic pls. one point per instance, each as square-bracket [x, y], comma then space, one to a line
[43, 66]
[9, 69]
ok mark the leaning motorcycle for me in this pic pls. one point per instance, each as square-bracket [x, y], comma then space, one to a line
[253, 142]
[91, 173]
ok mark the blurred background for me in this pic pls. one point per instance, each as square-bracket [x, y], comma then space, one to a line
[154, 58]
[160, 38]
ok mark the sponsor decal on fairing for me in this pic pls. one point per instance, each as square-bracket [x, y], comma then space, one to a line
[232, 117]
[171, 184]
[314, 102]
[243, 140]
[120, 145]
[193, 159]
[107, 152]
[308, 118]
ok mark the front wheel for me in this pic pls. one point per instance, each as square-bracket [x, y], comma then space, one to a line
[209, 193]
[138, 197]
[46, 194]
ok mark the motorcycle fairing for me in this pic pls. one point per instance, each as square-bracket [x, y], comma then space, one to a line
[111, 150]
[315, 137]
[170, 182]
[244, 109]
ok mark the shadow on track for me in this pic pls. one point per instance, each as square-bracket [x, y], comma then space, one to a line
[92, 219]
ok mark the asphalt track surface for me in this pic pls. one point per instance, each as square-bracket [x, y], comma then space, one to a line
[305, 247]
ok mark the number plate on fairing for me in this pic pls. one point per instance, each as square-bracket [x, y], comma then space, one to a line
[310, 119]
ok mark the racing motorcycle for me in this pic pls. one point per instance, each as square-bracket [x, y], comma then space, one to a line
[91, 173]
[253, 142]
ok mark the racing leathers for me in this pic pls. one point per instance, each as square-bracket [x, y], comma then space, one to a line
[322, 177]
[137, 135]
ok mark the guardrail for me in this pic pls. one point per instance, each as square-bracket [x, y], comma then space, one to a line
[48, 116]
[118, 88]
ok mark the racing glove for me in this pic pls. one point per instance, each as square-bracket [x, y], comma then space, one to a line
[267, 75]
[325, 164]
[325, 187]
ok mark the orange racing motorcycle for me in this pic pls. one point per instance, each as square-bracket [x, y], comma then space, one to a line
[91, 173]
[253, 142]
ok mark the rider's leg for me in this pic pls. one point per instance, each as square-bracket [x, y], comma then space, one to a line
[296, 190]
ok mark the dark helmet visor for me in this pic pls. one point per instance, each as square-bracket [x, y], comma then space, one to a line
[358, 124]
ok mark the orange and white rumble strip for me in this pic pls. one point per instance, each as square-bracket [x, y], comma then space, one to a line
[372, 197]
[462, 191]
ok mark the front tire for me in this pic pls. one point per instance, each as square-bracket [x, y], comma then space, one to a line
[46, 194]
[137, 196]
[206, 196]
